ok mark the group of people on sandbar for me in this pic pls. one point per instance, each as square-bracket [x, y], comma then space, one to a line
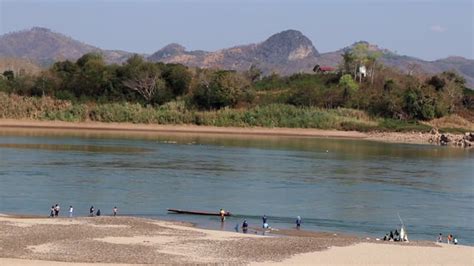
[54, 212]
[265, 225]
[396, 236]
[450, 239]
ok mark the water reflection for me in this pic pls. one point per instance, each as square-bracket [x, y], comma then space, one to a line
[344, 149]
[68, 147]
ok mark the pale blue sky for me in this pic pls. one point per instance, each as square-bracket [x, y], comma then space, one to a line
[428, 29]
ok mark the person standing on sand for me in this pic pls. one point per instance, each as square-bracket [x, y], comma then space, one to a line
[114, 210]
[52, 212]
[450, 238]
[440, 238]
[56, 210]
[245, 226]
[91, 211]
[264, 220]
[298, 222]
[98, 212]
[71, 210]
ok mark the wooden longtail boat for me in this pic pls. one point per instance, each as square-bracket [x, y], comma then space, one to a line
[199, 212]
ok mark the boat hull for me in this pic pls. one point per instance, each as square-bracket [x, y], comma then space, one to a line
[198, 212]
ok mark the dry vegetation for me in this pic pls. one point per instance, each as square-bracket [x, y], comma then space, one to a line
[451, 121]
[18, 65]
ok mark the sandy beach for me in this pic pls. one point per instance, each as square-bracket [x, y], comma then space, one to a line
[154, 128]
[383, 254]
[129, 240]
[148, 130]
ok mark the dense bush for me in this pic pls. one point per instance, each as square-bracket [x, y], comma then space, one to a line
[220, 89]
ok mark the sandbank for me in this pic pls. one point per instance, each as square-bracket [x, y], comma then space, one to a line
[131, 240]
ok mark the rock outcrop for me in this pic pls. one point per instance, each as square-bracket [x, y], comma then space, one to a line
[285, 53]
[444, 139]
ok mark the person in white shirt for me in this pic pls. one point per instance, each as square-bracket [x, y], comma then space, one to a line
[56, 210]
[71, 210]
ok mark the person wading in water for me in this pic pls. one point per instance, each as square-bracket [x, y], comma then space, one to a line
[222, 214]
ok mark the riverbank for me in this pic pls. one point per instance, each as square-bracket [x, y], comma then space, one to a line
[150, 129]
[129, 240]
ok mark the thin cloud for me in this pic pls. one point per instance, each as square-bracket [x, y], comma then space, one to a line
[437, 28]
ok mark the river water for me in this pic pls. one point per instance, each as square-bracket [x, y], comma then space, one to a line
[336, 185]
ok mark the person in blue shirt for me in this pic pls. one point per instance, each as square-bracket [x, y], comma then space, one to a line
[245, 226]
[298, 222]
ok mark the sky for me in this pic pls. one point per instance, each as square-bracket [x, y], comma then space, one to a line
[427, 29]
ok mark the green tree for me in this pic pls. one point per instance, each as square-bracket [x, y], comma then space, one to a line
[220, 89]
[8, 74]
[451, 94]
[419, 104]
[348, 85]
[361, 55]
[253, 73]
[372, 63]
[178, 78]
[91, 78]
[45, 84]
[143, 78]
[349, 65]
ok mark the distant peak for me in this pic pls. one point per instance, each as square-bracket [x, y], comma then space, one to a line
[288, 45]
[40, 29]
[290, 31]
[174, 47]
[361, 42]
[287, 34]
[370, 46]
[169, 50]
[456, 57]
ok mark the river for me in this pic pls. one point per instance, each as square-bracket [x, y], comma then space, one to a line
[336, 185]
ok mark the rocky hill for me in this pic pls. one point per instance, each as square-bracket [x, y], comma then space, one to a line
[463, 66]
[45, 47]
[286, 52]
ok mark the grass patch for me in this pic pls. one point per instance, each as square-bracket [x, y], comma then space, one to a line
[272, 115]
[402, 126]
[454, 130]
[451, 121]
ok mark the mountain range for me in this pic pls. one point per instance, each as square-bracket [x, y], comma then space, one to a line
[285, 53]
